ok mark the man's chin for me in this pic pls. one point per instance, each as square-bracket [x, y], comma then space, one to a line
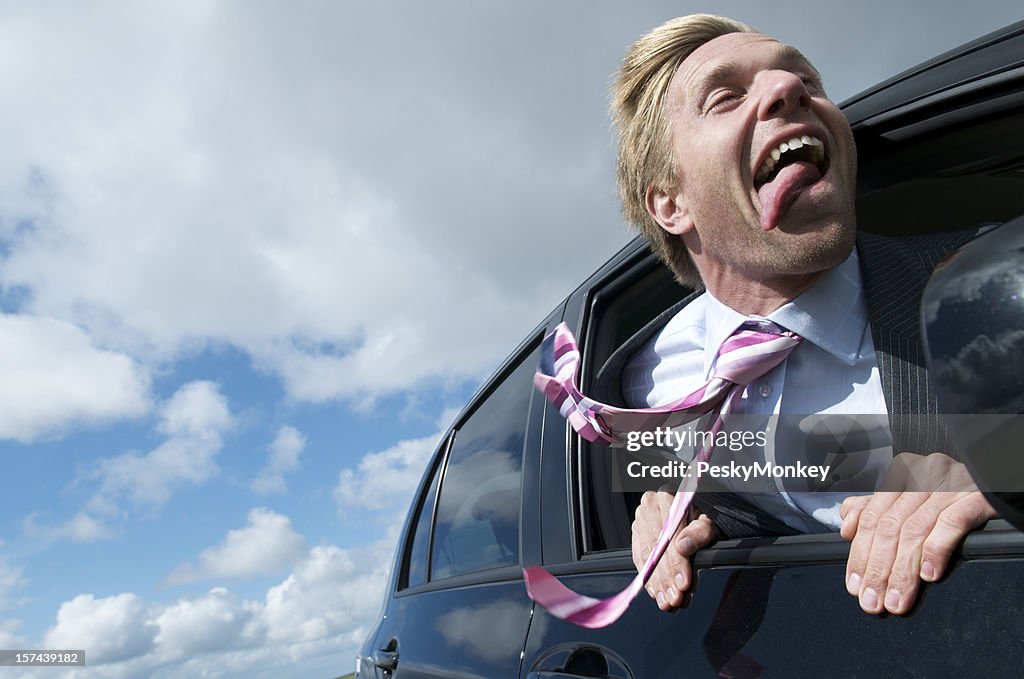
[813, 247]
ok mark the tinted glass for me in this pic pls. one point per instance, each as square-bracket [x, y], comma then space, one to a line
[416, 572]
[973, 326]
[478, 510]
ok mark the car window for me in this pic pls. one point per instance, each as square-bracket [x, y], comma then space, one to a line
[619, 310]
[415, 572]
[477, 524]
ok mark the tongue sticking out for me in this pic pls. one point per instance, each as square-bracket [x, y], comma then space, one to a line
[777, 195]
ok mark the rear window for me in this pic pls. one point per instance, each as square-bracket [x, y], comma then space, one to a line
[477, 524]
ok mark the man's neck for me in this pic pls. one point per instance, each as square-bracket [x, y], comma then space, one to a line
[758, 297]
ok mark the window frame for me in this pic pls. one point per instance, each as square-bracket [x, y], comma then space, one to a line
[434, 471]
[601, 296]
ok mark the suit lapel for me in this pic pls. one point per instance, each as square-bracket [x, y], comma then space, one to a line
[895, 272]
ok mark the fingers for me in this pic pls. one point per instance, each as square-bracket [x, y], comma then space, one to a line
[647, 523]
[969, 512]
[901, 538]
[673, 576]
[850, 511]
[879, 538]
[675, 572]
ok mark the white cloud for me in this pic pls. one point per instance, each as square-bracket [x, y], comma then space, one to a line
[267, 544]
[11, 580]
[194, 419]
[80, 528]
[209, 623]
[386, 480]
[54, 378]
[282, 457]
[196, 410]
[189, 200]
[310, 624]
[9, 636]
[109, 629]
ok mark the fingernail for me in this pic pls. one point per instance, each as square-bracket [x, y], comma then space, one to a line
[853, 584]
[680, 583]
[892, 600]
[687, 546]
[869, 599]
[671, 594]
[661, 598]
[927, 571]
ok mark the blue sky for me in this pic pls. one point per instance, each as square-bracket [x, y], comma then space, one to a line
[253, 258]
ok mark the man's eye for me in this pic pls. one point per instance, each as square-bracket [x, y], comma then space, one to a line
[722, 100]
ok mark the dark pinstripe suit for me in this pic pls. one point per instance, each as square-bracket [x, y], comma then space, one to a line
[895, 271]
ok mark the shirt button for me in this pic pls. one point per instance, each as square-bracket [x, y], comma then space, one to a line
[765, 390]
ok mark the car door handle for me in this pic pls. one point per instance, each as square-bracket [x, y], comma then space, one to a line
[385, 660]
[583, 662]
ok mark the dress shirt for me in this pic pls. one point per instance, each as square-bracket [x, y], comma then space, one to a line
[834, 371]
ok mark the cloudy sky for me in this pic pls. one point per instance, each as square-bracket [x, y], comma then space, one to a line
[254, 256]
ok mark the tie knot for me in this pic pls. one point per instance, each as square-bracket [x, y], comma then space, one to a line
[761, 325]
[755, 348]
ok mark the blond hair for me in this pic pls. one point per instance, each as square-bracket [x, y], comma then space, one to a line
[645, 138]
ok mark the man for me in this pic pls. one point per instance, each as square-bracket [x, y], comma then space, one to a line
[741, 174]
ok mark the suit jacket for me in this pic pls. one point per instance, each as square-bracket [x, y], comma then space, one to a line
[894, 272]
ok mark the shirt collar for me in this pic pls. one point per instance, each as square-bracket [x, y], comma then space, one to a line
[831, 314]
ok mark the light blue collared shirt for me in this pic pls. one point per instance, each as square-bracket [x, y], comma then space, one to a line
[832, 372]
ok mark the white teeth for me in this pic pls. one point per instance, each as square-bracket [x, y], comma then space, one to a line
[772, 157]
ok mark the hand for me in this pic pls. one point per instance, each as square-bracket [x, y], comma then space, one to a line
[907, 532]
[672, 577]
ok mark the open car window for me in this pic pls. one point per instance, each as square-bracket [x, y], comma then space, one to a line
[914, 180]
[617, 311]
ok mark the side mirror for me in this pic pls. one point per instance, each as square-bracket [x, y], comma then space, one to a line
[972, 321]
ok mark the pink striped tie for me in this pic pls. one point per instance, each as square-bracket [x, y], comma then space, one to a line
[754, 349]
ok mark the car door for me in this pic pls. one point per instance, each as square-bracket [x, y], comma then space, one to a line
[457, 606]
[774, 607]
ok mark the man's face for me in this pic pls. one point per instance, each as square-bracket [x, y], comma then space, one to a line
[750, 201]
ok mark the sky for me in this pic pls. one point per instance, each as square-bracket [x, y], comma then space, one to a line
[254, 257]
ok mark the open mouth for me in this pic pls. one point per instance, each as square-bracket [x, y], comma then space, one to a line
[804, 148]
[786, 171]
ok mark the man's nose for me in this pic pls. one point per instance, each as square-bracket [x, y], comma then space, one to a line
[782, 92]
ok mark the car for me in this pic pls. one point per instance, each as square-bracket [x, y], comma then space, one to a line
[941, 148]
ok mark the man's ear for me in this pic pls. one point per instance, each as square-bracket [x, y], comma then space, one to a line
[669, 209]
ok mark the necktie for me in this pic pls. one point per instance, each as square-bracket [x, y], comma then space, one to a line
[755, 348]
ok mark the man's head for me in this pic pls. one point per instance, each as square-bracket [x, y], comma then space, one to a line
[703, 104]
